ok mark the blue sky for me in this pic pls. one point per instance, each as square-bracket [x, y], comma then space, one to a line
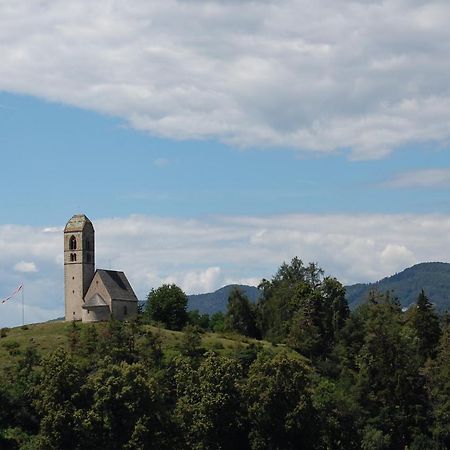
[211, 141]
[59, 159]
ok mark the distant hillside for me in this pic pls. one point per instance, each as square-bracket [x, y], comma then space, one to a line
[217, 301]
[433, 278]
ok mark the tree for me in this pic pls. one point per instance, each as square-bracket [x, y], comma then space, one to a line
[390, 388]
[240, 316]
[438, 374]
[200, 320]
[126, 411]
[425, 322]
[217, 322]
[208, 409]
[167, 305]
[58, 402]
[191, 340]
[277, 393]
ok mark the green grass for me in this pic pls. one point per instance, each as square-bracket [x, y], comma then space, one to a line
[49, 336]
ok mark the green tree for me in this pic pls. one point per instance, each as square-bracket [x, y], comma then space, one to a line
[303, 308]
[200, 320]
[208, 408]
[117, 341]
[278, 397]
[167, 305]
[438, 375]
[191, 340]
[58, 402]
[127, 409]
[338, 416]
[240, 316]
[217, 322]
[425, 322]
[390, 387]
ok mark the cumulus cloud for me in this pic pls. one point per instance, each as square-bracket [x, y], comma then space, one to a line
[320, 77]
[424, 178]
[26, 267]
[203, 255]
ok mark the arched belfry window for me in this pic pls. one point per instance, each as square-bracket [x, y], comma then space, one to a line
[73, 257]
[72, 243]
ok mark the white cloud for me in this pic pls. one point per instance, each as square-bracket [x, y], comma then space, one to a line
[25, 267]
[203, 255]
[424, 178]
[316, 76]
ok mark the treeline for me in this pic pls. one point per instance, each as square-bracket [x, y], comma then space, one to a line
[374, 378]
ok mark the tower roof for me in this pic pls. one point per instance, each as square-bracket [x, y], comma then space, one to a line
[77, 223]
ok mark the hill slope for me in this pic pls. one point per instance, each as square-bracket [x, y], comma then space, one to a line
[218, 300]
[433, 278]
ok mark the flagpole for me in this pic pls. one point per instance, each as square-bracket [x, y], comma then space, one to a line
[23, 309]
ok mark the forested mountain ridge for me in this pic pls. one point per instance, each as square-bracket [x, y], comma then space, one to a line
[432, 277]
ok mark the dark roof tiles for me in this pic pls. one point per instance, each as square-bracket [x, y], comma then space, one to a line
[117, 285]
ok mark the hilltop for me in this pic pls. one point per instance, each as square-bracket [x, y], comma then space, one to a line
[432, 277]
[50, 336]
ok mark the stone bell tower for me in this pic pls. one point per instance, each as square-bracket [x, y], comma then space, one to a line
[79, 263]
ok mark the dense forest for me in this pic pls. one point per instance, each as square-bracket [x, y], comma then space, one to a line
[432, 277]
[308, 373]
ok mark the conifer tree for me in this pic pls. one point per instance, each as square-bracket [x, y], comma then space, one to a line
[425, 322]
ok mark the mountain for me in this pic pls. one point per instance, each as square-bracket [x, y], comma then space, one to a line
[218, 300]
[432, 277]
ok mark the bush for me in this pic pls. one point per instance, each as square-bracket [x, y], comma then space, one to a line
[12, 347]
[4, 332]
[191, 341]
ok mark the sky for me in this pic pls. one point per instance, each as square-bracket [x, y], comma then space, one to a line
[211, 141]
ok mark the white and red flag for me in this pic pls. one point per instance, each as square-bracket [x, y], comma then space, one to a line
[13, 294]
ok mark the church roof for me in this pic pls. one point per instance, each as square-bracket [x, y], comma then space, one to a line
[117, 285]
[77, 223]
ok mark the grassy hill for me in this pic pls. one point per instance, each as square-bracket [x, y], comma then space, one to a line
[433, 278]
[47, 337]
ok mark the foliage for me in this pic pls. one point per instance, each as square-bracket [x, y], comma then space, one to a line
[167, 305]
[375, 378]
[432, 277]
[438, 374]
[241, 316]
[199, 320]
[191, 340]
[59, 401]
[217, 322]
[425, 323]
[126, 410]
[278, 399]
[303, 308]
[208, 408]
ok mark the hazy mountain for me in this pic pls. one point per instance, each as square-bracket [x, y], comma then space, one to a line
[433, 278]
[217, 301]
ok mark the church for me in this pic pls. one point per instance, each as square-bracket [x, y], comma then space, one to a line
[92, 295]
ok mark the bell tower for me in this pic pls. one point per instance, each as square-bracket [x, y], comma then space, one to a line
[79, 263]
